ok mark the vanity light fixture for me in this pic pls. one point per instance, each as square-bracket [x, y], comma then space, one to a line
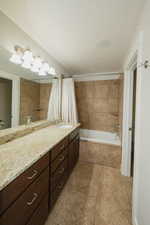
[25, 58]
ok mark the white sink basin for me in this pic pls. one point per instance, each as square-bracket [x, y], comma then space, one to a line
[65, 126]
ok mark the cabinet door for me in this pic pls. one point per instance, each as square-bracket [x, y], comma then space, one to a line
[21, 210]
[73, 153]
[77, 146]
[71, 156]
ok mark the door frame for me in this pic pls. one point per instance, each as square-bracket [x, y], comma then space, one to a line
[127, 115]
[135, 56]
[15, 110]
[133, 60]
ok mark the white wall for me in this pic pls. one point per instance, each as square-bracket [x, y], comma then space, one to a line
[141, 187]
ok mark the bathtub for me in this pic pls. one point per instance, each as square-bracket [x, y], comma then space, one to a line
[100, 137]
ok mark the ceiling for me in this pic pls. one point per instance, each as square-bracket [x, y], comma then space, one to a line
[84, 36]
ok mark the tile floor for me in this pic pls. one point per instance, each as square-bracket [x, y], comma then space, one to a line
[93, 195]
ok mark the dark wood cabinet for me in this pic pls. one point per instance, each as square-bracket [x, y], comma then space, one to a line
[28, 199]
[65, 160]
[58, 170]
[22, 209]
[73, 153]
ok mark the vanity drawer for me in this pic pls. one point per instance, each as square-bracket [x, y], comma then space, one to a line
[58, 148]
[21, 210]
[16, 187]
[58, 189]
[40, 215]
[59, 173]
[60, 158]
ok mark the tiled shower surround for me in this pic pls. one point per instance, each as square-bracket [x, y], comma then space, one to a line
[45, 90]
[99, 104]
[34, 99]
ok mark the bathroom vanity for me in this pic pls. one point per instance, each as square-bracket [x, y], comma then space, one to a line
[34, 173]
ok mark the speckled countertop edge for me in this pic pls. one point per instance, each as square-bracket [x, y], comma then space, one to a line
[13, 133]
[21, 127]
[20, 154]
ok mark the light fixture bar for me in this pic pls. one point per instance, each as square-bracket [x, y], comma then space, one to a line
[25, 58]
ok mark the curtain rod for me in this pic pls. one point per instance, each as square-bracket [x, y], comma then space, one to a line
[46, 78]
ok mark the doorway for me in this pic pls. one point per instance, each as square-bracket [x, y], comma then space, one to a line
[129, 112]
[5, 103]
[133, 120]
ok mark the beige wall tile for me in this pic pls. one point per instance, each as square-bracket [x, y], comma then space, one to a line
[33, 96]
[100, 90]
[114, 90]
[113, 105]
[100, 100]
[29, 100]
[45, 90]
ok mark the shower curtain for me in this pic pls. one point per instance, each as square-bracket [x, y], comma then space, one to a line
[54, 111]
[69, 110]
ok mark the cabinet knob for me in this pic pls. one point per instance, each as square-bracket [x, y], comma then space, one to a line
[62, 147]
[61, 171]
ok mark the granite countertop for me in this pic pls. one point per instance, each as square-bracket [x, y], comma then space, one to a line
[19, 154]
[10, 134]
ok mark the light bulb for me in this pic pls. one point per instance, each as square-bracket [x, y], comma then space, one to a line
[26, 65]
[34, 69]
[42, 73]
[36, 65]
[16, 58]
[45, 67]
[52, 71]
[17, 55]
[27, 59]
[28, 56]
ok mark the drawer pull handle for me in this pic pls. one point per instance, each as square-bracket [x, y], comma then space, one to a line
[62, 147]
[61, 171]
[35, 172]
[60, 186]
[35, 195]
[61, 158]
